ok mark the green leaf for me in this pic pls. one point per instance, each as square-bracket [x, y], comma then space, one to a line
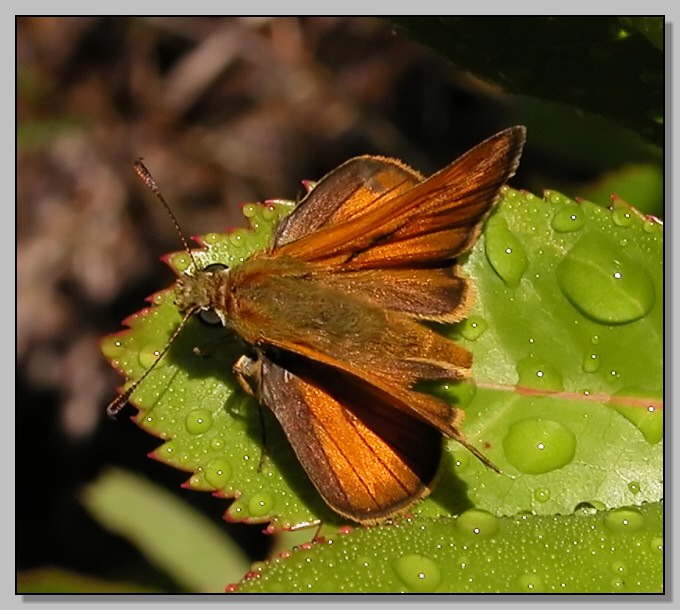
[567, 394]
[620, 551]
[191, 548]
[568, 371]
[605, 65]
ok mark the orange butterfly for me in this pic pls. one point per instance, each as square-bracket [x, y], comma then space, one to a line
[331, 314]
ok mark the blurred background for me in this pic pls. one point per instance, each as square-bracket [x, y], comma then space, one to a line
[224, 111]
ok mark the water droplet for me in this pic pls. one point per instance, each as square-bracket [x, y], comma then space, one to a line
[634, 487]
[625, 520]
[112, 347]
[531, 583]
[269, 212]
[217, 443]
[419, 573]
[617, 583]
[554, 197]
[538, 375]
[198, 421]
[622, 216]
[569, 218]
[165, 452]
[363, 561]
[619, 567]
[595, 339]
[542, 495]
[473, 328]
[236, 512]
[211, 238]
[180, 261]
[589, 508]
[652, 226]
[478, 523]
[249, 210]
[535, 446]
[236, 238]
[261, 504]
[504, 251]
[605, 284]
[218, 472]
[656, 544]
[591, 363]
[149, 354]
[649, 419]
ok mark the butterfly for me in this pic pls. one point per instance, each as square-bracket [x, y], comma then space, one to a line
[333, 311]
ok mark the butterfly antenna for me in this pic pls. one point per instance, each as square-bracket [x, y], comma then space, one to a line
[477, 453]
[147, 179]
[121, 400]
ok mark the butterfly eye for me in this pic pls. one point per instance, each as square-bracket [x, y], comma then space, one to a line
[209, 317]
[215, 267]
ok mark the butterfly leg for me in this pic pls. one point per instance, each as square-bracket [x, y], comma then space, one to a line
[248, 373]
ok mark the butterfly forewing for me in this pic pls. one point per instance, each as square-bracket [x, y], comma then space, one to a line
[395, 230]
[349, 191]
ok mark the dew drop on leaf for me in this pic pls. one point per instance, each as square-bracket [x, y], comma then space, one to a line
[634, 487]
[237, 511]
[473, 328]
[261, 504]
[112, 347]
[236, 238]
[624, 520]
[605, 284]
[538, 375]
[622, 216]
[651, 226]
[535, 446]
[217, 443]
[569, 218]
[180, 261]
[198, 421]
[542, 495]
[478, 523]
[589, 508]
[419, 574]
[648, 419]
[269, 213]
[591, 363]
[505, 252]
[530, 583]
[249, 210]
[218, 472]
[149, 354]
[165, 452]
